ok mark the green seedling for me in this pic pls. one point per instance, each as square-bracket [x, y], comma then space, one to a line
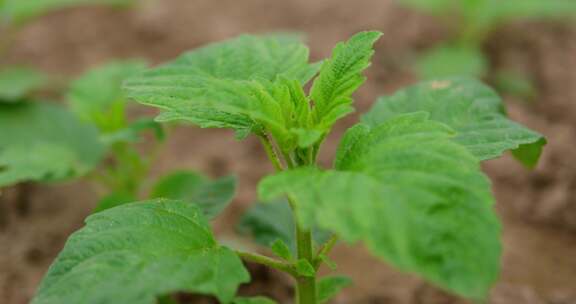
[46, 142]
[406, 180]
[40, 140]
[471, 22]
[19, 12]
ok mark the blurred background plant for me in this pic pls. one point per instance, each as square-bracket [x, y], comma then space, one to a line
[91, 134]
[469, 24]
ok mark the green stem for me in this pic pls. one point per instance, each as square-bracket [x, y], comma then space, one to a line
[271, 152]
[325, 250]
[267, 261]
[305, 286]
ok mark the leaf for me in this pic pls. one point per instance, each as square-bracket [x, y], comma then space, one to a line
[21, 11]
[340, 76]
[326, 260]
[416, 198]
[136, 252]
[132, 133]
[16, 83]
[304, 268]
[271, 221]
[447, 60]
[281, 250]
[254, 300]
[472, 109]
[211, 196]
[228, 84]
[98, 97]
[43, 142]
[329, 287]
[113, 200]
[516, 84]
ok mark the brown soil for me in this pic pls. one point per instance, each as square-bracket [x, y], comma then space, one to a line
[538, 208]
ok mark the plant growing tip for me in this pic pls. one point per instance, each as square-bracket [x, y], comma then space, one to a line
[406, 180]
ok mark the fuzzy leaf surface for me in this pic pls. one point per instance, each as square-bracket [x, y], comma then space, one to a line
[340, 76]
[44, 142]
[231, 84]
[469, 107]
[212, 196]
[137, 252]
[416, 198]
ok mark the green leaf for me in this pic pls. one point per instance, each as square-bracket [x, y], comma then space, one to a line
[212, 196]
[16, 83]
[472, 109]
[254, 300]
[415, 197]
[448, 60]
[229, 84]
[340, 76]
[304, 268]
[281, 250]
[268, 222]
[133, 133]
[271, 221]
[329, 287]
[98, 97]
[44, 142]
[329, 262]
[515, 83]
[136, 252]
[21, 11]
[113, 200]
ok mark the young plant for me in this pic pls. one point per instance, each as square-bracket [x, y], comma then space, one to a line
[406, 180]
[19, 12]
[40, 141]
[471, 22]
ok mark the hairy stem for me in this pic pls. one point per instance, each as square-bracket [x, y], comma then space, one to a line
[305, 286]
[271, 152]
[267, 261]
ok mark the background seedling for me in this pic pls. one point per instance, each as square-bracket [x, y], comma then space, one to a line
[470, 23]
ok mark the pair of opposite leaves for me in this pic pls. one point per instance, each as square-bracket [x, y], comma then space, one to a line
[412, 161]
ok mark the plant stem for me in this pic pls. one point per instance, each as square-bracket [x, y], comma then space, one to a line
[305, 286]
[267, 261]
[271, 152]
[325, 250]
